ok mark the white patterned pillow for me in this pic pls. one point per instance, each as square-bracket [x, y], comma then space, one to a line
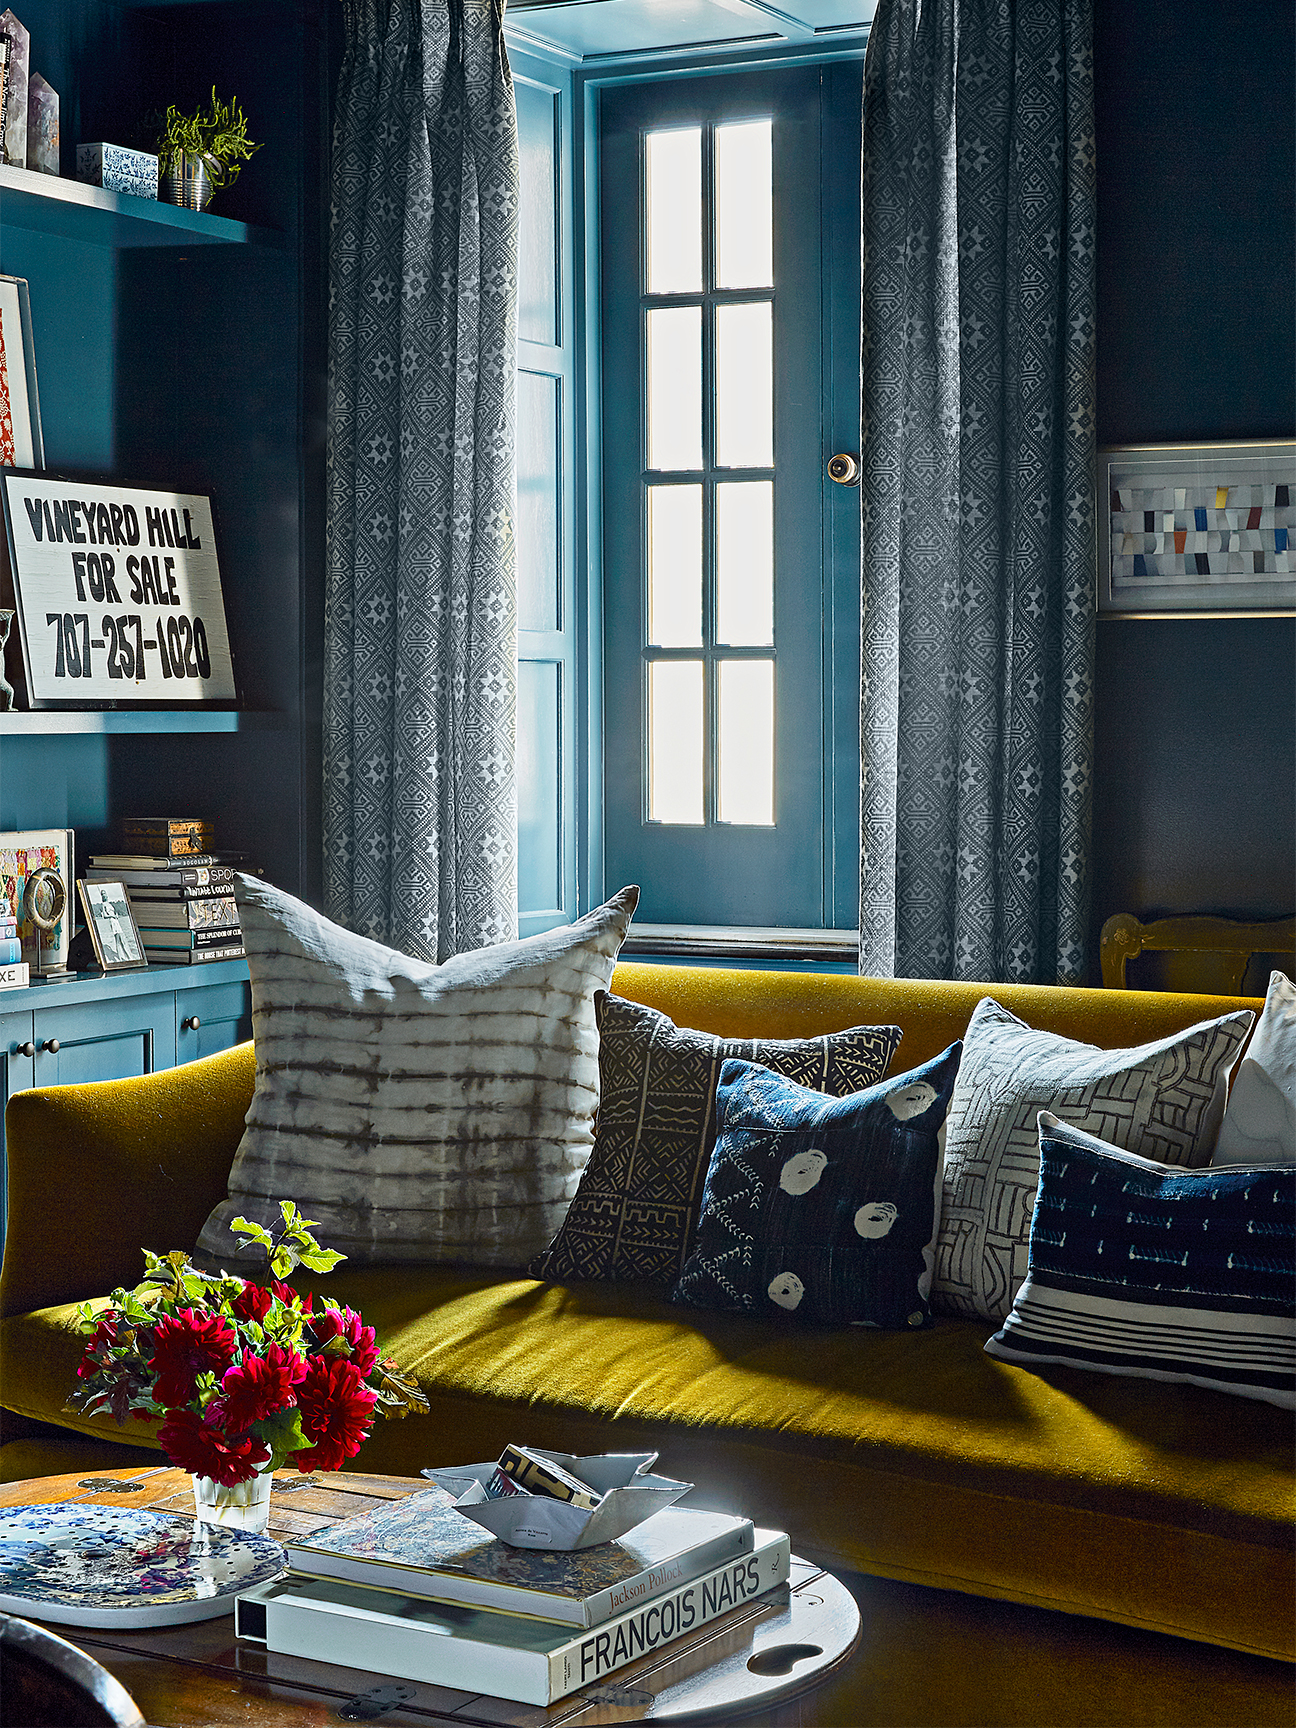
[417, 1112]
[1259, 1125]
[1163, 1100]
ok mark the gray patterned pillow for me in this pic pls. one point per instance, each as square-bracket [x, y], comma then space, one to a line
[417, 1112]
[1162, 1100]
[637, 1206]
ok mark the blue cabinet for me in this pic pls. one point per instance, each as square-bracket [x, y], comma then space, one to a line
[112, 1028]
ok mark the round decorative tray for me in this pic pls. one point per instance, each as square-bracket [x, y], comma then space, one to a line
[78, 1565]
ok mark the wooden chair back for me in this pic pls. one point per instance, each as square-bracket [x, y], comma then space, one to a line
[1231, 943]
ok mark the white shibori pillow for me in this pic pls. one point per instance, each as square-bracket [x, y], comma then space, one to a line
[1163, 1100]
[417, 1112]
[1168, 1274]
[1259, 1125]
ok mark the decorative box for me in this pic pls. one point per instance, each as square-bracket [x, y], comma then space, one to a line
[628, 1493]
[118, 169]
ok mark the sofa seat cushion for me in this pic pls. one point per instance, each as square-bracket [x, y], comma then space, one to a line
[914, 1456]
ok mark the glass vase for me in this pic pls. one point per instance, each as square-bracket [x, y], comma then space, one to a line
[244, 1506]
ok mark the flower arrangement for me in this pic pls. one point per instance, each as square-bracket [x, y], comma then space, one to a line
[246, 1377]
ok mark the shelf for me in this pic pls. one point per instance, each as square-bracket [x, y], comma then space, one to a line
[117, 722]
[97, 218]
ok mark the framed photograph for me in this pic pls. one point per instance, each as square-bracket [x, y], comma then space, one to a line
[1195, 530]
[118, 596]
[112, 927]
[21, 445]
[22, 854]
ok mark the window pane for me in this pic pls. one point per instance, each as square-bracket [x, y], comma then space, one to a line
[537, 502]
[675, 566]
[675, 741]
[746, 791]
[539, 789]
[745, 563]
[673, 190]
[537, 214]
[745, 386]
[675, 387]
[744, 206]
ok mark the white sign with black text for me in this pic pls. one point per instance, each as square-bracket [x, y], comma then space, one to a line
[118, 594]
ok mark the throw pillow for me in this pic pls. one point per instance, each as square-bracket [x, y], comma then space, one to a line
[1139, 1268]
[1163, 1099]
[636, 1208]
[1259, 1125]
[822, 1208]
[417, 1112]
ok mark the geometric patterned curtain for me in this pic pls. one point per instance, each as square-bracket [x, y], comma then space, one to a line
[977, 490]
[420, 648]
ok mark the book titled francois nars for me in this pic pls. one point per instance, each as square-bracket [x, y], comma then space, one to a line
[423, 1547]
[517, 1656]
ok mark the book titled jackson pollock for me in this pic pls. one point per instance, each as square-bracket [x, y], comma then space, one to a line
[422, 1546]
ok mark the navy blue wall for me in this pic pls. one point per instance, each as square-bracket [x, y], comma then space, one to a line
[1195, 791]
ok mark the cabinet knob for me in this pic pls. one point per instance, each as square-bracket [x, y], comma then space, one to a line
[844, 469]
[190, 1024]
[52, 1045]
[27, 1049]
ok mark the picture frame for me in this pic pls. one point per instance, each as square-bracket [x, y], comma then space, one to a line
[114, 933]
[22, 853]
[1197, 530]
[22, 444]
[117, 591]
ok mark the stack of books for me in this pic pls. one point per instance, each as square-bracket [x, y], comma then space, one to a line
[181, 891]
[14, 971]
[415, 1590]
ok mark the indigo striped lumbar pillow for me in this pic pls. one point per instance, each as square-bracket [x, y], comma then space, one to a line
[417, 1112]
[1140, 1268]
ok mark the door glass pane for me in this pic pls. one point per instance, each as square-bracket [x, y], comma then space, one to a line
[744, 209]
[675, 387]
[675, 566]
[538, 435]
[673, 190]
[537, 214]
[745, 386]
[745, 563]
[539, 792]
[675, 741]
[746, 777]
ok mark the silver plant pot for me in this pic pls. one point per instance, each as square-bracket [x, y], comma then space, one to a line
[188, 183]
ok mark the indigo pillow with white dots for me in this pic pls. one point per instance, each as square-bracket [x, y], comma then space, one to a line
[825, 1210]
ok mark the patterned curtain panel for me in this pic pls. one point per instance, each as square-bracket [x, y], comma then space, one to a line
[420, 622]
[977, 491]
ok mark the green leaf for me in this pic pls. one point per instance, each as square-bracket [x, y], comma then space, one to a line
[322, 1259]
[241, 1227]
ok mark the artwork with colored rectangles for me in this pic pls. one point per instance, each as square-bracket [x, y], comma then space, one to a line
[1198, 528]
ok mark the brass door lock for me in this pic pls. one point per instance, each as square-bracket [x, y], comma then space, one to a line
[844, 469]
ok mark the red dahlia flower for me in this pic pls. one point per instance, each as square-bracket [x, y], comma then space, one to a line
[194, 1445]
[336, 1412]
[185, 1346]
[256, 1388]
[345, 1323]
[252, 1302]
[286, 1293]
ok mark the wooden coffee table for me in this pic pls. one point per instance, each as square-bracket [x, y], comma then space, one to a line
[761, 1658]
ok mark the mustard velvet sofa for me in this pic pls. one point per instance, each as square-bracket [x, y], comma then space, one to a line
[1027, 1548]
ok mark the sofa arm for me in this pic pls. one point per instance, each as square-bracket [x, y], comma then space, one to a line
[99, 1172]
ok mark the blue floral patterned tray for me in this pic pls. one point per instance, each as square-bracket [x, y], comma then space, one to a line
[80, 1565]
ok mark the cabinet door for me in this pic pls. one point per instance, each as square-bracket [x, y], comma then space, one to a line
[104, 1040]
[211, 1018]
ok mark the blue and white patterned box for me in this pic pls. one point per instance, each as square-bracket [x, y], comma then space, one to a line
[118, 169]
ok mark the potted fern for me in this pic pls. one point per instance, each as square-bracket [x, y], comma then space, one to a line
[201, 152]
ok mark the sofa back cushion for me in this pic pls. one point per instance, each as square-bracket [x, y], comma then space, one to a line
[1163, 1099]
[417, 1112]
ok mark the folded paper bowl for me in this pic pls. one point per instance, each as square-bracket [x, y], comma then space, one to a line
[630, 1493]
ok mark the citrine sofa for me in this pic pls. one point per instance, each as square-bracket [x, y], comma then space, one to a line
[1044, 1548]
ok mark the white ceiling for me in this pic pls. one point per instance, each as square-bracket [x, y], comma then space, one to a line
[608, 30]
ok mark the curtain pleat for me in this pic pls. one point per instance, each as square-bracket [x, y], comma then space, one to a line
[420, 611]
[977, 490]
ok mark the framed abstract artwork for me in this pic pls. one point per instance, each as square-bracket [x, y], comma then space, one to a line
[1193, 530]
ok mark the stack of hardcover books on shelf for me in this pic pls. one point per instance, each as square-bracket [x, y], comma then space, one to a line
[14, 971]
[415, 1590]
[181, 890]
